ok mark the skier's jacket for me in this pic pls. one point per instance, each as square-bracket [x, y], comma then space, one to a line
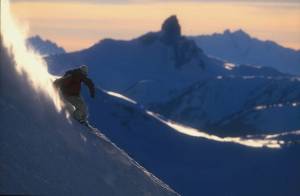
[70, 83]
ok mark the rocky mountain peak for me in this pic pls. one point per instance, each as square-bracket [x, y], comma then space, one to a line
[171, 30]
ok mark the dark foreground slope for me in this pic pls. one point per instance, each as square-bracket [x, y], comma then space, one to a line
[42, 154]
[196, 166]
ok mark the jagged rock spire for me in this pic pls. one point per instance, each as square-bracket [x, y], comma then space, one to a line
[171, 30]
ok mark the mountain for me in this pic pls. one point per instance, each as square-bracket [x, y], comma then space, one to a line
[157, 65]
[238, 105]
[169, 74]
[205, 165]
[43, 153]
[240, 48]
[44, 47]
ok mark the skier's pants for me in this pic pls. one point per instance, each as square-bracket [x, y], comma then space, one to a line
[80, 111]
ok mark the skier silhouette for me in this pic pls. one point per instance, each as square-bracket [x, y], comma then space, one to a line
[70, 86]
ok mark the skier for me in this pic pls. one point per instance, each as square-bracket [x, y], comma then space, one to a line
[70, 86]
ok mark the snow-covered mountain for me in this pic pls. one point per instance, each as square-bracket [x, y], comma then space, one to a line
[240, 48]
[238, 105]
[162, 70]
[41, 153]
[156, 65]
[164, 60]
[44, 47]
[198, 166]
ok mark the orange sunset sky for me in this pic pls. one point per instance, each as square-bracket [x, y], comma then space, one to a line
[77, 24]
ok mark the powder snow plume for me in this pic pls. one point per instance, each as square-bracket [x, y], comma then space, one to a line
[26, 60]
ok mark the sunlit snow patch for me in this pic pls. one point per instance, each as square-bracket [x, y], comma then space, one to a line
[120, 96]
[229, 66]
[269, 141]
[249, 141]
[278, 105]
[26, 60]
[283, 134]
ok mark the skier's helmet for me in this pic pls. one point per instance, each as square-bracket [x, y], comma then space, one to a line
[84, 69]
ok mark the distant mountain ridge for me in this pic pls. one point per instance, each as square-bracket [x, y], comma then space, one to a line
[166, 59]
[44, 47]
[240, 48]
[161, 68]
[42, 153]
[237, 105]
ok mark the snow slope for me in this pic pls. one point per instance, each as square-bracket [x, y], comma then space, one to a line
[240, 48]
[204, 165]
[238, 105]
[44, 154]
[41, 153]
[167, 73]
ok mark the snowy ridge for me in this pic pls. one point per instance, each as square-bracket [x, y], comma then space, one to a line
[256, 141]
[44, 153]
[239, 47]
[168, 74]
[160, 64]
[247, 104]
[114, 150]
[61, 150]
[185, 159]
[250, 141]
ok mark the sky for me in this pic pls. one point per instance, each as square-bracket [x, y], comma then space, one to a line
[78, 24]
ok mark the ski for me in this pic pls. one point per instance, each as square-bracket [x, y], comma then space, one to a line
[89, 126]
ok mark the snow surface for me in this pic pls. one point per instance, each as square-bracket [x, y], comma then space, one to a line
[149, 71]
[165, 66]
[229, 104]
[62, 159]
[199, 164]
[177, 79]
[41, 153]
[240, 48]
